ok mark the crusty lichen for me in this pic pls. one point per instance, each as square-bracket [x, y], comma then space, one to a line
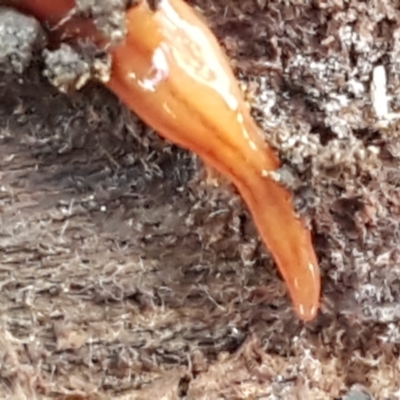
[108, 15]
[69, 69]
[20, 37]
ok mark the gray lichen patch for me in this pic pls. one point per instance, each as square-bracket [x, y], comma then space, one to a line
[69, 69]
[20, 37]
[108, 15]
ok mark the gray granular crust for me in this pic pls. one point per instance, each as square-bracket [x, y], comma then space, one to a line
[20, 37]
[124, 275]
[68, 68]
[108, 15]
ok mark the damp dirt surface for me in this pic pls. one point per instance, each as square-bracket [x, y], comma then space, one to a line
[124, 274]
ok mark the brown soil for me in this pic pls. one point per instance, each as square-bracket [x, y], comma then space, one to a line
[124, 275]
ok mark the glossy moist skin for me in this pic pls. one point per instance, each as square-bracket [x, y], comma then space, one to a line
[171, 71]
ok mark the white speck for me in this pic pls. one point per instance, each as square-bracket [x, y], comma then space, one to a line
[301, 309]
[296, 284]
[158, 72]
[312, 269]
[378, 92]
[252, 145]
[380, 99]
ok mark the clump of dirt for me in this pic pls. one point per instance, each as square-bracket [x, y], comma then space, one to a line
[123, 275]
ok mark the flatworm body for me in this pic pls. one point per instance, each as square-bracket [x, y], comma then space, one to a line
[171, 71]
